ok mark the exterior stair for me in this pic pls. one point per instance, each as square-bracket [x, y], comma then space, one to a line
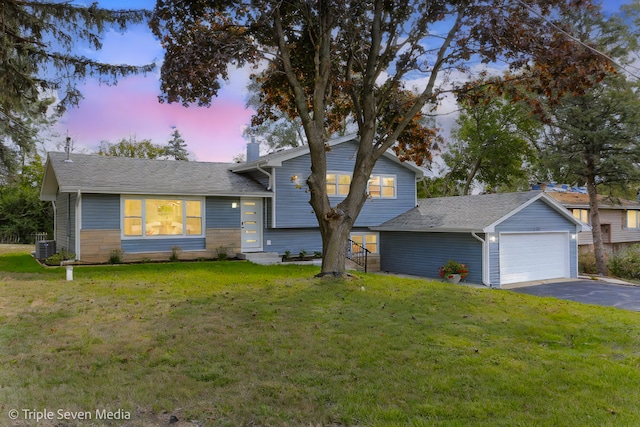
[262, 258]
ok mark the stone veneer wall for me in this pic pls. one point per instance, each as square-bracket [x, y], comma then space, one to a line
[97, 245]
[224, 239]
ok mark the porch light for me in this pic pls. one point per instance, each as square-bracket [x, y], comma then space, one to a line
[234, 205]
[493, 239]
[573, 236]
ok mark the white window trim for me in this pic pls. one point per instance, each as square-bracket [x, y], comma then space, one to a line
[382, 176]
[202, 201]
[338, 174]
[364, 241]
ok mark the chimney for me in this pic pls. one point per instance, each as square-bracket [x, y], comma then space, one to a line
[253, 150]
[67, 149]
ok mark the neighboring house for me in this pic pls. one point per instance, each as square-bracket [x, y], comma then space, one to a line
[147, 208]
[502, 238]
[619, 219]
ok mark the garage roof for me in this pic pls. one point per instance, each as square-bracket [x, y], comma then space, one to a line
[478, 213]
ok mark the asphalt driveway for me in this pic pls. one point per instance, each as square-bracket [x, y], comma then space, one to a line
[589, 292]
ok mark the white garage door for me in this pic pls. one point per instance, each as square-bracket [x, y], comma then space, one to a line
[533, 256]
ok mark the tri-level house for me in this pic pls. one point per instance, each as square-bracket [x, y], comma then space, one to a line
[148, 209]
[145, 209]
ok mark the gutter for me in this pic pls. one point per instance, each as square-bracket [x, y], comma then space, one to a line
[485, 260]
[268, 174]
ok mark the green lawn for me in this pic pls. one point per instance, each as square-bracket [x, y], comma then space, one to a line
[231, 343]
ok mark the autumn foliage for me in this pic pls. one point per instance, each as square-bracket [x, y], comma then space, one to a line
[335, 64]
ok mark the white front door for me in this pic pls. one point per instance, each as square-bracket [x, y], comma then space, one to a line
[251, 217]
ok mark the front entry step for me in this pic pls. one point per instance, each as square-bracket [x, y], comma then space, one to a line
[262, 258]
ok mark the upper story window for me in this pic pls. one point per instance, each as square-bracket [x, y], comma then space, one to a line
[379, 186]
[338, 184]
[581, 214]
[147, 217]
[382, 186]
[632, 219]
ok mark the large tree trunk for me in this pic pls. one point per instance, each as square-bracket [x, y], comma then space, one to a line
[335, 222]
[596, 229]
[334, 247]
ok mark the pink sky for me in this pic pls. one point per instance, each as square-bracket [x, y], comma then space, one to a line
[131, 108]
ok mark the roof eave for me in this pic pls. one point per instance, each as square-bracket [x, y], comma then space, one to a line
[49, 187]
[92, 190]
[277, 160]
[427, 230]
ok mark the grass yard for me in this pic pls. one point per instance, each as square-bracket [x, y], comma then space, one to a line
[232, 343]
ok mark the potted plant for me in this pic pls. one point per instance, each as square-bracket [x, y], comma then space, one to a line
[453, 271]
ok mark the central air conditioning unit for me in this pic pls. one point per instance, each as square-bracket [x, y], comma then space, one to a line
[45, 249]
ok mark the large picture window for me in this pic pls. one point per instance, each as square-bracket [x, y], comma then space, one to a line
[152, 216]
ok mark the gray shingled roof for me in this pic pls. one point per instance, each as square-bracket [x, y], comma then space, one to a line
[464, 213]
[92, 173]
[276, 158]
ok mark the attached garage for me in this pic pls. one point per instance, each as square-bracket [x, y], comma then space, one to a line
[502, 238]
[549, 250]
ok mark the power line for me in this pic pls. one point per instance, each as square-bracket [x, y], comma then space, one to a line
[577, 40]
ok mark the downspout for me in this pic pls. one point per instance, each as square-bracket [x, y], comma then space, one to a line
[78, 223]
[55, 220]
[68, 221]
[485, 267]
[273, 201]
[266, 173]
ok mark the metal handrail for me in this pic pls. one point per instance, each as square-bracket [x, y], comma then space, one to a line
[357, 253]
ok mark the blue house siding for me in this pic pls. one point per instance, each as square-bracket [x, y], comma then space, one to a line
[292, 202]
[293, 240]
[65, 232]
[101, 211]
[220, 212]
[537, 217]
[422, 254]
[494, 263]
[163, 245]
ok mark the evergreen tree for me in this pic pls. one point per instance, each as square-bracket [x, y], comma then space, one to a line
[38, 63]
[593, 142]
[176, 148]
